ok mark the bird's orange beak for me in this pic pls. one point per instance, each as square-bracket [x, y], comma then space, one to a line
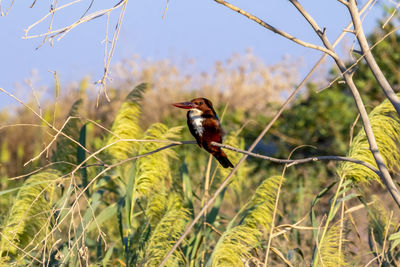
[185, 105]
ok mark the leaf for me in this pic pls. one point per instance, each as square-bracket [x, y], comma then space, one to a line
[313, 203]
[130, 196]
[81, 156]
[187, 186]
[105, 215]
[66, 150]
[106, 260]
[395, 238]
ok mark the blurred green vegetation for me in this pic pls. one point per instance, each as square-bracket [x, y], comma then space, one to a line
[109, 212]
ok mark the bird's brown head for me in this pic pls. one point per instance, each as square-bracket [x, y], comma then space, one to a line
[202, 104]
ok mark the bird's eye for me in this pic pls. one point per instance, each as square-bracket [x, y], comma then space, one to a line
[201, 103]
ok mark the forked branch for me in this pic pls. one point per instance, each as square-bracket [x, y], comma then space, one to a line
[386, 177]
[369, 58]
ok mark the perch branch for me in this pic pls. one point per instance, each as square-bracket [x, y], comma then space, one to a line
[291, 162]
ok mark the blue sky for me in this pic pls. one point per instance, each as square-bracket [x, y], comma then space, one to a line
[202, 30]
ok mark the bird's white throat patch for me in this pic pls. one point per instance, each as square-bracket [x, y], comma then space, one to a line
[197, 120]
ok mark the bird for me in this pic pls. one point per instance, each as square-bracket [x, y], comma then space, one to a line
[204, 125]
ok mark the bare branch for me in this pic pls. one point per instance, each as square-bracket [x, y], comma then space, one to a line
[386, 177]
[274, 29]
[369, 58]
[359, 59]
[343, 2]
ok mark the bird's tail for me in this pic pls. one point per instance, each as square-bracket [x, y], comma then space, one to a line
[223, 159]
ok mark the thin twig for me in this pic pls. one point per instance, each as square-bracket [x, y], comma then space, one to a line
[8, 9]
[20, 249]
[58, 34]
[280, 255]
[110, 54]
[46, 122]
[53, 6]
[21, 124]
[29, 83]
[352, 129]
[166, 8]
[288, 227]
[44, 17]
[40, 169]
[213, 228]
[49, 144]
[391, 16]
[386, 233]
[62, 31]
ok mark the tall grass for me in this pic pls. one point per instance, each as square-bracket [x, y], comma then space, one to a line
[119, 208]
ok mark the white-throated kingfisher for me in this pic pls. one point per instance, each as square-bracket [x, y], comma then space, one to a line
[204, 125]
